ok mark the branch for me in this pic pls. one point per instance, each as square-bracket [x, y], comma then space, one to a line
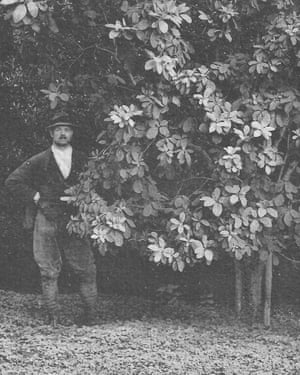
[114, 54]
[282, 135]
[182, 182]
[294, 261]
[148, 146]
[287, 175]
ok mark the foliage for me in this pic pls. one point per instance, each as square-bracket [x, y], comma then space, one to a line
[198, 152]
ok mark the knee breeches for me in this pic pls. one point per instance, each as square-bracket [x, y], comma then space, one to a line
[51, 245]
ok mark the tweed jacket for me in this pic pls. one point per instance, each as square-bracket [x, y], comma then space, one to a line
[41, 174]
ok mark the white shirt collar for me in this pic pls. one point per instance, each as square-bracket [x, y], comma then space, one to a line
[63, 151]
[63, 158]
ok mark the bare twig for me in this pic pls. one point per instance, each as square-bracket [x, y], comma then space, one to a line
[114, 54]
[286, 176]
[282, 135]
[148, 146]
[289, 259]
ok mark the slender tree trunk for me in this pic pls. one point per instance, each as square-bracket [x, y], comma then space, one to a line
[238, 287]
[256, 288]
[268, 290]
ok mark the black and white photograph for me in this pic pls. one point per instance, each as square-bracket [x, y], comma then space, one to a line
[150, 187]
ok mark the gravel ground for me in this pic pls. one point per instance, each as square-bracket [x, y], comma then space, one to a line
[139, 336]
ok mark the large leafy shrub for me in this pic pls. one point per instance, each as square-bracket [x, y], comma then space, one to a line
[196, 106]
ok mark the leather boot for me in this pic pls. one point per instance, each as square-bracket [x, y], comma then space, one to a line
[50, 292]
[88, 293]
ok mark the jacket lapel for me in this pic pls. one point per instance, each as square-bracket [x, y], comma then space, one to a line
[52, 169]
[75, 167]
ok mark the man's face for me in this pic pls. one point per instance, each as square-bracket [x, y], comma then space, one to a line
[62, 135]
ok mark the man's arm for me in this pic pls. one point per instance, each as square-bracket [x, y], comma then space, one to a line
[20, 183]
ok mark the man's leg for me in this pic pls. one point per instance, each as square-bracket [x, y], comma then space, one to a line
[80, 257]
[48, 258]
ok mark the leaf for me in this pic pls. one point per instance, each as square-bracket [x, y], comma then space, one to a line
[43, 6]
[157, 257]
[217, 209]
[228, 36]
[147, 211]
[8, 2]
[35, 27]
[202, 16]
[150, 65]
[33, 9]
[27, 20]
[216, 194]
[161, 242]
[164, 131]
[176, 101]
[182, 217]
[180, 265]
[237, 222]
[198, 248]
[179, 202]
[138, 186]
[52, 87]
[266, 221]
[243, 201]
[152, 133]
[208, 255]
[131, 223]
[275, 260]
[288, 219]
[188, 125]
[187, 18]
[112, 34]
[123, 173]
[52, 96]
[234, 199]
[53, 103]
[120, 156]
[118, 238]
[279, 200]
[290, 188]
[64, 97]
[188, 159]
[163, 26]
[272, 212]
[153, 247]
[254, 226]
[19, 13]
[232, 189]
[142, 25]
[261, 212]
[128, 211]
[91, 14]
[208, 201]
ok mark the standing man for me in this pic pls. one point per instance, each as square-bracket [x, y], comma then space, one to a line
[41, 182]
